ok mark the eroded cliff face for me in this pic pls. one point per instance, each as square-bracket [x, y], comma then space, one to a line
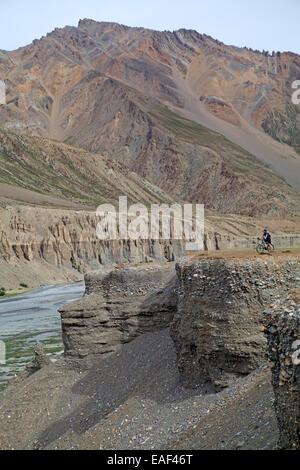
[214, 308]
[62, 245]
[120, 304]
[282, 328]
[218, 330]
[46, 246]
[71, 408]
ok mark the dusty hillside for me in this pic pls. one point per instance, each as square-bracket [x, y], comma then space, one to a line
[76, 81]
[49, 192]
[178, 155]
[45, 172]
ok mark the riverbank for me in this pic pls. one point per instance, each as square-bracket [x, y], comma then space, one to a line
[30, 318]
[13, 292]
[35, 274]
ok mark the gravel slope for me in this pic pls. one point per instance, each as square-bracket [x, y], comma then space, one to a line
[134, 400]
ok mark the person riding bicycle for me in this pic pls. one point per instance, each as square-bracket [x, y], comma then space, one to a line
[267, 238]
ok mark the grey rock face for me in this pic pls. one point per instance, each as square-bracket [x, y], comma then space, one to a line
[282, 328]
[214, 308]
[120, 304]
[218, 330]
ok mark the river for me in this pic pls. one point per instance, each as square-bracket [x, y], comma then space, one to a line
[31, 318]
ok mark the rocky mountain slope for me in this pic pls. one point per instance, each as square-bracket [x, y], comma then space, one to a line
[191, 164]
[49, 192]
[105, 87]
[66, 176]
[134, 399]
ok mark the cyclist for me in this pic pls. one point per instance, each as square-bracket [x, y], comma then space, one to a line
[267, 238]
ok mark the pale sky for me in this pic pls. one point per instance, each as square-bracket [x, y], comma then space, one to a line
[259, 24]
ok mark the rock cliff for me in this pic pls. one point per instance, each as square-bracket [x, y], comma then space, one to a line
[120, 304]
[44, 245]
[218, 326]
[213, 307]
[125, 392]
[282, 328]
[60, 245]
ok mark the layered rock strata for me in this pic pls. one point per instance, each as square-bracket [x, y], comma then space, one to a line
[42, 245]
[66, 241]
[283, 333]
[120, 304]
[213, 306]
[218, 330]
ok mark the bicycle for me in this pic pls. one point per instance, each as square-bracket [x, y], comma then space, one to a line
[263, 247]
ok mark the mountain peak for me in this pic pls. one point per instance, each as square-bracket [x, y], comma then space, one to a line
[90, 24]
[99, 84]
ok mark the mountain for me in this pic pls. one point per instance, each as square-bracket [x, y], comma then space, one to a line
[195, 117]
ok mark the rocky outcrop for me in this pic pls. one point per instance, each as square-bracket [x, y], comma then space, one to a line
[47, 173]
[213, 306]
[120, 303]
[221, 109]
[218, 329]
[282, 328]
[40, 360]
